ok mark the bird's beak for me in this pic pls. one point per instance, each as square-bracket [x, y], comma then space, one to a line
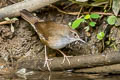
[81, 40]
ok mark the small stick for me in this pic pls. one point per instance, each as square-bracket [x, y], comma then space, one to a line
[76, 13]
[12, 1]
[7, 22]
[14, 10]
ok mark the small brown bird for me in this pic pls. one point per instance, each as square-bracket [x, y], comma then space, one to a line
[52, 34]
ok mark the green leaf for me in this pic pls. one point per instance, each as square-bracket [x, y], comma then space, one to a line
[77, 22]
[100, 35]
[94, 16]
[117, 23]
[107, 42]
[7, 18]
[111, 20]
[92, 24]
[69, 24]
[87, 16]
[15, 19]
[87, 28]
[116, 6]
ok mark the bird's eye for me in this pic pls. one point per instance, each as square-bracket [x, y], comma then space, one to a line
[75, 35]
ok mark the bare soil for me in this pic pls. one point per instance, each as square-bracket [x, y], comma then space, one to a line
[24, 41]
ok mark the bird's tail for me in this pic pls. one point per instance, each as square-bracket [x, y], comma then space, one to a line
[29, 17]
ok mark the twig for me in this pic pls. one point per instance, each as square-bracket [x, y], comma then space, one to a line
[80, 12]
[68, 5]
[7, 22]
[14, 10]
[76, 13]
[12, 1]
[85, 61]
[71, 13]
[114, 68]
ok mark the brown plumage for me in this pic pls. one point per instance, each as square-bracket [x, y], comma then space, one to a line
[52, 34]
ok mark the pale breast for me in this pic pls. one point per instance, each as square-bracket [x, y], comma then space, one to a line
[56, 43]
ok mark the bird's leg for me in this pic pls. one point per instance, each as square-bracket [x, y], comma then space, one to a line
[65, 56]
[46, 59]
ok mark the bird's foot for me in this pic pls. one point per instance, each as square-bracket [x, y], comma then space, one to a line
[47, 63]
[66, 58]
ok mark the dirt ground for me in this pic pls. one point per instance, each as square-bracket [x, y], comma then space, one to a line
[24, 41]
